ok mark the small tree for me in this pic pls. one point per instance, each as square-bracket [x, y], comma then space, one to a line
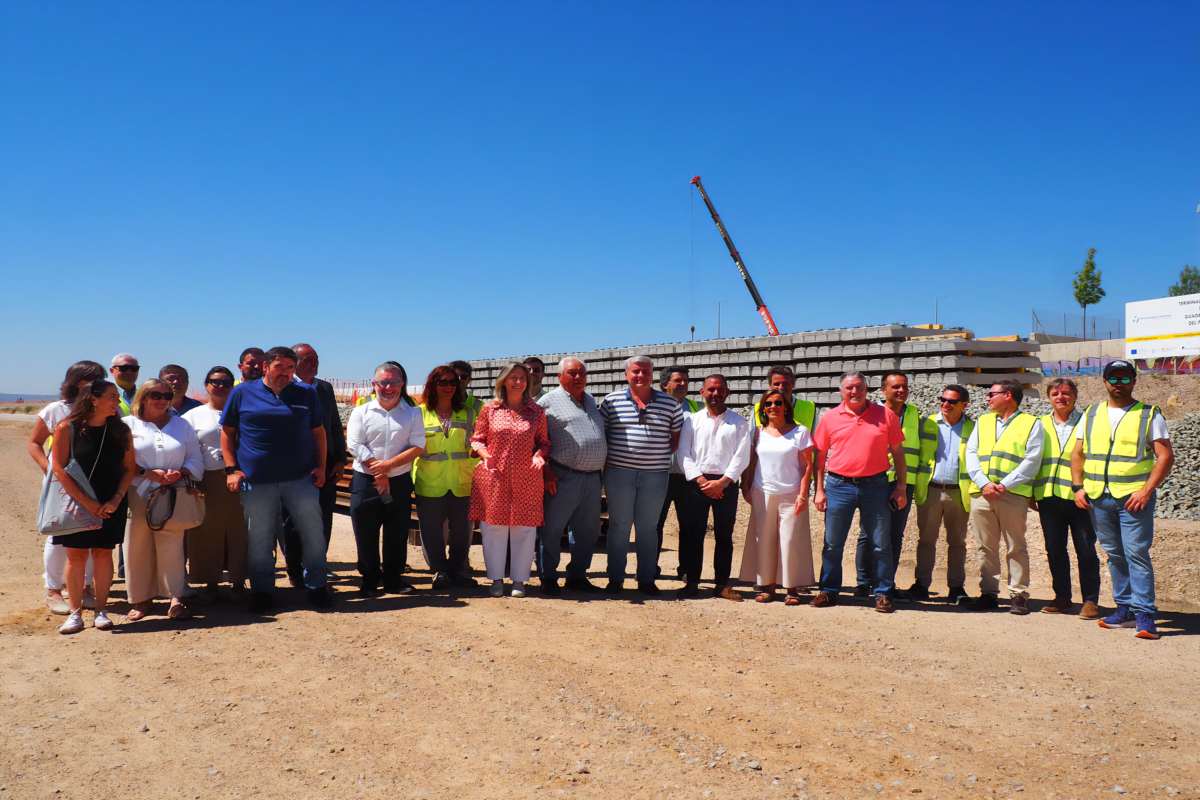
[1087, 286]
[1189, 282]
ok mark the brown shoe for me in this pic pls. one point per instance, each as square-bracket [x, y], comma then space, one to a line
[883, 604]
[792, 599]
[727, 593]
[824, 600]
[1057, 606]
[1019, 605]
[1090, 610]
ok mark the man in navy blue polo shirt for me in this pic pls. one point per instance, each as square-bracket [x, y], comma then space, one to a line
[273, 443]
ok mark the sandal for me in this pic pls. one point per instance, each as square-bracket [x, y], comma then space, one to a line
[792, 599]
[178, 611]
[764, 597]
[134, 614]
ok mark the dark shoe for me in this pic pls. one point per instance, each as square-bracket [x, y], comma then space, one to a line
[862, 591]
[398, 586]
[296, 579]
[441, 582]
[883, 604]
[1089, 610]
[1058, 605]
[985, 602]
[899, 596]
[614, 587]
[918, 592]
[550, 588]
[1019, 605]
[261, 602]
[464, 581]
[1146, 629]
[368, 588]
[958, 596]
[824, 600]
[727, 593]
[649, 588]
[320, 598]
[690, 591]
[582, 585]
[1121, 618]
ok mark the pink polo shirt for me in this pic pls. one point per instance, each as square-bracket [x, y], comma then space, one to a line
[857, 445]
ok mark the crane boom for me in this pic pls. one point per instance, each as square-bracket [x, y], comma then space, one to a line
[763, 312]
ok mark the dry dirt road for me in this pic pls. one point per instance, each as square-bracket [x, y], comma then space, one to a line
[438, 696]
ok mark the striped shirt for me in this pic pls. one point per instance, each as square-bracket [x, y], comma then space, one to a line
[641, 438]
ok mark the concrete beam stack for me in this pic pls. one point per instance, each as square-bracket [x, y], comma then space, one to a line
[818, 357]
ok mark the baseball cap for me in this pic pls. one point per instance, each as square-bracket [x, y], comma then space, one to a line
[1120, 365]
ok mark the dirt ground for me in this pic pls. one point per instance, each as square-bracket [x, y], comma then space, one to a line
[1176, 394]
[433, 695]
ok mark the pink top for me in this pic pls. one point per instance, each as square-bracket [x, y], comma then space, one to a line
[507, 489]
[857, 445]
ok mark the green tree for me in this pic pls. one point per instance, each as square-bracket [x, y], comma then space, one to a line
[1088, 291]
[1189, 281]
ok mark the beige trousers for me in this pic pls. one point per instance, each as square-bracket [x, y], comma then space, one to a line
[220, 541]
[153, 559]
[1001, 518]
[942, 507]
[778, 549]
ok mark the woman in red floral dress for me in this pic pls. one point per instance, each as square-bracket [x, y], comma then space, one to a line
[506, 491]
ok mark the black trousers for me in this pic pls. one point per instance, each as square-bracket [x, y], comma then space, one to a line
[676, 488]
[368, 514]
[293, 548]
[693, 513]
[1062, 519]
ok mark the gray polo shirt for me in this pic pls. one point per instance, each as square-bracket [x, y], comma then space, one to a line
[576, 431]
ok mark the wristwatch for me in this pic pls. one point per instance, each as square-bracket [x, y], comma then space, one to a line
[1076, 487]
[231, 470]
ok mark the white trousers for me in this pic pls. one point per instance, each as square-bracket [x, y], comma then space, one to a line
[54, 560]
[496, 542]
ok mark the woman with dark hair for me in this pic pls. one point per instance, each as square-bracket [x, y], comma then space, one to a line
[101, 445]
[166, 451]
[220, 541]
[778, 549]
[442, 478]
[54, 558]
[506, 489]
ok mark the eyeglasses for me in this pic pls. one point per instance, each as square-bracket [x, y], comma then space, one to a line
[948, 401]
[448, 382]
[774, 404]
[1123, 380]
[387, 384]
[226, 382]
[159, 396]
[128, 368]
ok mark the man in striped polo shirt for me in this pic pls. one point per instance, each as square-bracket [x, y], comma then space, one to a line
[642, 426]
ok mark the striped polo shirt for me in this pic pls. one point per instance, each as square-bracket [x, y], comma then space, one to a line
[641, 438]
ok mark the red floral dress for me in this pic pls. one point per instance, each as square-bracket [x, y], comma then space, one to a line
[507, 489]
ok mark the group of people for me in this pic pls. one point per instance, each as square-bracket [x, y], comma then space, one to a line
[534, 466]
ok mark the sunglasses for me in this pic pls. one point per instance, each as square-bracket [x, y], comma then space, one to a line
[996, 394]
[948, 401]
[226, 382]
[1123, 380]
[128, 368]
[447, 382]
[159, 396]
[774, 404]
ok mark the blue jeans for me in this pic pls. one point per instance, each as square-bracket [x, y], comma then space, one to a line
[897, 519]
[262, 503]
[1126, 538]
[635, 498]
[576, 504]
[870, 497]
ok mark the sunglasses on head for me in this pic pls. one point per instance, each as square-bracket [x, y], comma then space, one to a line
[128, 368]
[774, 404]
[948, 401]
[1122, 380]
[220, 382]
[159, 395]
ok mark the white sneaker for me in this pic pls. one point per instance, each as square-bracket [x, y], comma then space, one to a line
[89, 598]
[497, 589]
[102, 622]
[74, 623]
[518, 589]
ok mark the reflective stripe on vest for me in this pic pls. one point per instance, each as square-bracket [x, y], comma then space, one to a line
[915, 440]
[997, 458]
[1118, 464]
[1054, 478]
[447, 464]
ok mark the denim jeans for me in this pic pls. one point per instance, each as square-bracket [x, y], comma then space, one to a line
[897, 519]
[870, 497]
[1126, 538]
[635, 498]
[576, 505]
[261, 503]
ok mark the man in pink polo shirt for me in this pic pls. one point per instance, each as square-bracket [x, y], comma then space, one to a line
[853, 442]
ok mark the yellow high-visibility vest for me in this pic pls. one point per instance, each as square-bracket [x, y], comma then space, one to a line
[446, 465]
[804, 412]
[919, 443]
[1120, 464]
[1054, 478]
[929, 457]
[998, 458]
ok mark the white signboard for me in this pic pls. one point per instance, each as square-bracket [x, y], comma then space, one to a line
[1163, 328]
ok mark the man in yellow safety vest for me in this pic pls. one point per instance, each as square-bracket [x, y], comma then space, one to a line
[124, 371]
[782, 379]
[1122, 455]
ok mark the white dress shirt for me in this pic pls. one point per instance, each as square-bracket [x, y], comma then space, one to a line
[173, 446]
[206, 422]
[374, 432]
[1024, 472]
[715, 445]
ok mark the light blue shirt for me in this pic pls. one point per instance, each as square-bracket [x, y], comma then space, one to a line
[945, 462]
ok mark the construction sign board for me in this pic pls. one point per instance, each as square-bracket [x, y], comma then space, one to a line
[1163, 328]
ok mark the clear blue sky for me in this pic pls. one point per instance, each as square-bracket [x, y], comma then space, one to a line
[428, 181]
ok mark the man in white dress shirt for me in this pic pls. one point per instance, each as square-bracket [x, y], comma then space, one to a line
[714, 449]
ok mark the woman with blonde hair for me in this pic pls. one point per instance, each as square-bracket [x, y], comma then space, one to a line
[778, 549]
[166, 451]
[506, 490]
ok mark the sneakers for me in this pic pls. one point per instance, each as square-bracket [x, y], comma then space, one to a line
[496, 589]
[1121, 618]
[518, 589]
[102, 622]
[74, 623]
[1146, 629]
[1019, 605]
[1089, 610]
[56, 604]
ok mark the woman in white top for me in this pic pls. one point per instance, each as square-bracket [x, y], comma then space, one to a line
[384, 436]
[167, 451]
[79, 375]
[778, 548]
[220, 541]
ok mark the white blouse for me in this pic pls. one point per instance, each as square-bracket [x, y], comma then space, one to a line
[779, 468]
[173, 446]
[376, 433]
[206, 422]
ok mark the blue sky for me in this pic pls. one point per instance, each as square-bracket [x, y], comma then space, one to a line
[427, 182]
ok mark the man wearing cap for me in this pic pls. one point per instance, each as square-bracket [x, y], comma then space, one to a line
[1122, 455]
[124, 372]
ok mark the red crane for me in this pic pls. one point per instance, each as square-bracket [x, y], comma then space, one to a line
[737, 260]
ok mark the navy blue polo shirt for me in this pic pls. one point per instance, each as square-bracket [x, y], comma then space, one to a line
[275, 440]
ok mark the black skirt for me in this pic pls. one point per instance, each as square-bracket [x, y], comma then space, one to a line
[110, 533]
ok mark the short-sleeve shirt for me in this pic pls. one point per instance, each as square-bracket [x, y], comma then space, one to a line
[206, 422]
[637, 438]
[576, 431]
[857, 445]
[275, 440]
